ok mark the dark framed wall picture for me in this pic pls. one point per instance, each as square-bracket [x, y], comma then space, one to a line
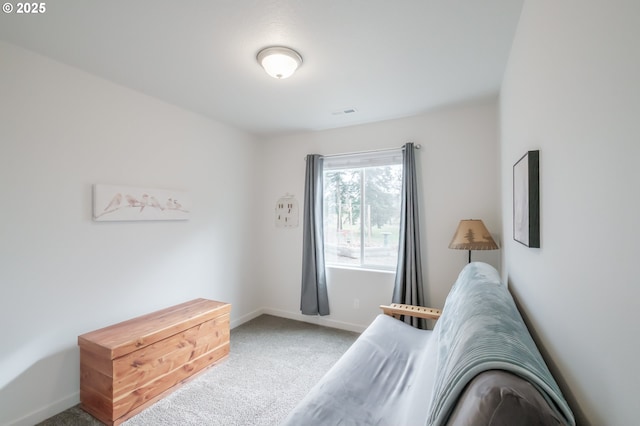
[526, 199]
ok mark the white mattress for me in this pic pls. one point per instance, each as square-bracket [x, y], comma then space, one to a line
[385, 378]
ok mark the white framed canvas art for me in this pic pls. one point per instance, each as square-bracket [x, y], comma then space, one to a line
[124, 203]
[526, 200]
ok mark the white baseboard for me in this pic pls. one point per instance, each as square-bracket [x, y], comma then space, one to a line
[47, 411]
[73, 399]
[246, 318]
[318, 320]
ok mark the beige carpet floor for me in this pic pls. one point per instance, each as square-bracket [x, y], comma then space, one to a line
[273, 363]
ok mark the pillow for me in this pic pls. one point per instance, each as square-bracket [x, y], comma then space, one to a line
[499, 398]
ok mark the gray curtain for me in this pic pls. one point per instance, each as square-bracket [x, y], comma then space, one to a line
[313, 298]
[408, 283]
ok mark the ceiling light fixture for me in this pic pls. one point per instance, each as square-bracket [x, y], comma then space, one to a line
[278, 61]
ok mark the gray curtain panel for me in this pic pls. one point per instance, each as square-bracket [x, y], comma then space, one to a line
[313, 298]
[408, 283]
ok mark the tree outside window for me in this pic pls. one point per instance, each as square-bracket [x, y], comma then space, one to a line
[362, 215]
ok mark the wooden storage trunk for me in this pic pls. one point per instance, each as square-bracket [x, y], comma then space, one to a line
[128, 366]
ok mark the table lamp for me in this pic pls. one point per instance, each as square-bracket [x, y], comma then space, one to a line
[472, 235]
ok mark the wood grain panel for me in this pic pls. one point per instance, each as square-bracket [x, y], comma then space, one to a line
[145, 365]
[127, 336]
[148, 391]
[128, 366]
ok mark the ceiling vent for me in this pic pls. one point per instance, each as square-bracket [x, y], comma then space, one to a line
[345, 111]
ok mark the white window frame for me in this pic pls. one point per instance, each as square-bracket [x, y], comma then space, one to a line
[363, 161]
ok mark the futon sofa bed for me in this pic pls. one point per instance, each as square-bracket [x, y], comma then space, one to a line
[478, 366]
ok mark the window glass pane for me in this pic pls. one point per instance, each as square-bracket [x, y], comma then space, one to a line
[342, 195]
[362, 214]
[382, 215]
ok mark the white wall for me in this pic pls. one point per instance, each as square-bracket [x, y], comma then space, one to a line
[61, 274]
[458, 172]
[572, 90]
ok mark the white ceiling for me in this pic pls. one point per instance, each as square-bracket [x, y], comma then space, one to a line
[387, 59]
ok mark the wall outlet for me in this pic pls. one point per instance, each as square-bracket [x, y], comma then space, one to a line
[356, 303]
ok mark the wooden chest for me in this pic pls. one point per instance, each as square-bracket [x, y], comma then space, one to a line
[128, 366]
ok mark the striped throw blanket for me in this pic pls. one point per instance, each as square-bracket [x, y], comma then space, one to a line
[481, 329]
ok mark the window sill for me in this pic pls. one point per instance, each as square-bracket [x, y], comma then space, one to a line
[363, 269]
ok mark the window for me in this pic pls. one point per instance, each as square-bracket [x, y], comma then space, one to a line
[362, 209]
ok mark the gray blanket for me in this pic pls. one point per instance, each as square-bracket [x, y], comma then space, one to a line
[481, 329]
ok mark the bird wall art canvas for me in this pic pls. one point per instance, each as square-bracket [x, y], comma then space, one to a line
[121, 203]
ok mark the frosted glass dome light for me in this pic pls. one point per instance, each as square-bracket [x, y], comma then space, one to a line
[279, 62]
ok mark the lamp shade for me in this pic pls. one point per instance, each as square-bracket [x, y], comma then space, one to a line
[279, 62]
[472, 235]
